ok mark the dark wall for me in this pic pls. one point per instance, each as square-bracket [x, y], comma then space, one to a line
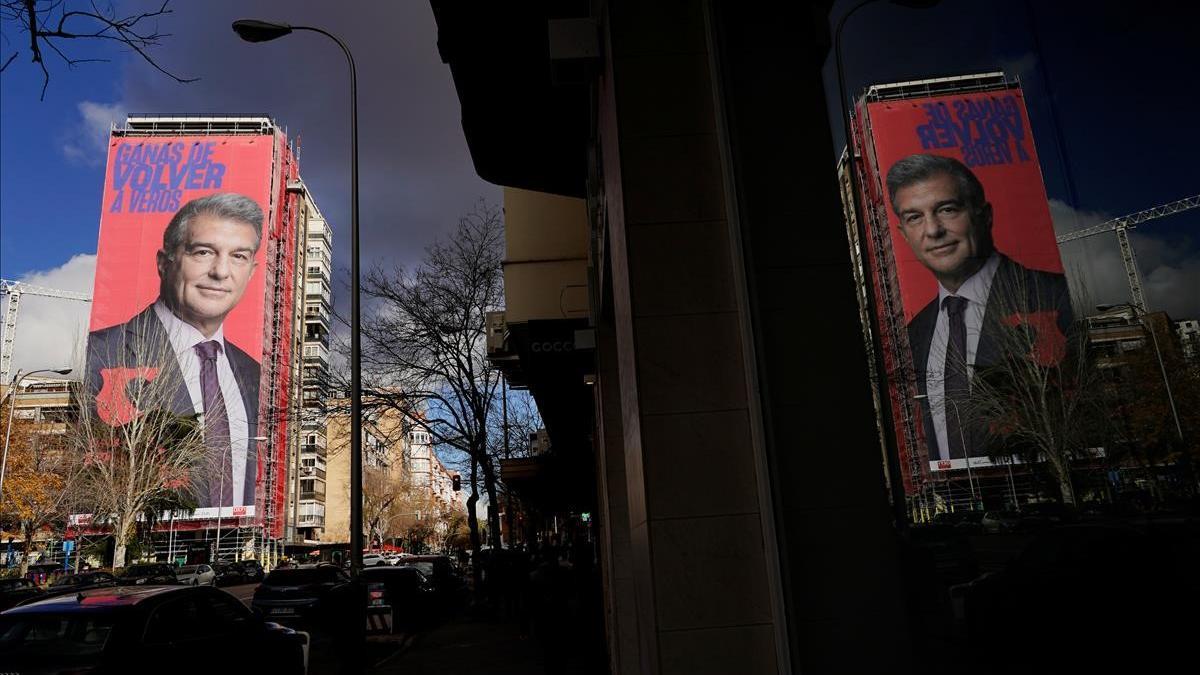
[838, 549]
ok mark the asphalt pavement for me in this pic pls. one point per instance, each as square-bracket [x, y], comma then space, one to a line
[323, 657]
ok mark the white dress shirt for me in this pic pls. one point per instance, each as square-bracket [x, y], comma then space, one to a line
[184, 337]
[975, 290]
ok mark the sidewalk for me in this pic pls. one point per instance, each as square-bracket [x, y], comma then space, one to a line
[467, 645]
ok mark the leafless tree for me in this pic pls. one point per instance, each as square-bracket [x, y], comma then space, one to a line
[512, 438]
[46, 26]
[136, 453]
[424, 348]
[1043, 398]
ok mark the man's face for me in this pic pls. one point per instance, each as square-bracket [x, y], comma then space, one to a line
[205, 278]
[947, 237]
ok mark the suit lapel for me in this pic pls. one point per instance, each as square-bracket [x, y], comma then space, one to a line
[146, 332]
[1004, 285]
[249, 391]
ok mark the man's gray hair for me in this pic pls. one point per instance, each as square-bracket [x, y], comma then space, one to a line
[223, 205]
[916, 168]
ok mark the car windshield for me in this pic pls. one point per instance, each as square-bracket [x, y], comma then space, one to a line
[425, 568]
[54, 635]
[140, 570]
[296, 577]
[187, 569]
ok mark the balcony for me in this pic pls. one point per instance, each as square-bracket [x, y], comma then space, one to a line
[312, 472]
[316, 353]
[312, 495]
[310, 521]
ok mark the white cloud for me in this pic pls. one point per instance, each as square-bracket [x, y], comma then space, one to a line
[51, 332]
[1169, 266]
[87, 142]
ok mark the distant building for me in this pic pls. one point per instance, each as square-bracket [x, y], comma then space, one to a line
[384, 461]
[429, 474]
[307, 459]
[1188, 331]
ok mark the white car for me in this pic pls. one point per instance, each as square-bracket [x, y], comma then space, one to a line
[196, 575]
[373, 559]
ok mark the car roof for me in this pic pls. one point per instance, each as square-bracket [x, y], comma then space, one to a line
[98, 598]
[400, 569]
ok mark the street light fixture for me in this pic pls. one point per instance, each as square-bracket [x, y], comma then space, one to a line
[1141, 319]
[255, 30]
[12, 394]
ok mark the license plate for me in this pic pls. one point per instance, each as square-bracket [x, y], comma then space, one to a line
[283, 610]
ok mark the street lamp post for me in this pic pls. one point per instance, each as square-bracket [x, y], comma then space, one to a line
[961, 437]
[12, 395]
[253, 30]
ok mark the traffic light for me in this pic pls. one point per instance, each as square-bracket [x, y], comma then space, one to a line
[456, 482]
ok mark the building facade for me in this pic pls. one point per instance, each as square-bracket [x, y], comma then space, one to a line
[309, 484]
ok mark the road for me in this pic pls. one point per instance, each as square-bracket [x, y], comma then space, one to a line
[243, 592]
[323, 658]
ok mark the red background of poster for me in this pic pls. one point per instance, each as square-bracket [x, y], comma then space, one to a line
[1022, 228]
[126, 275]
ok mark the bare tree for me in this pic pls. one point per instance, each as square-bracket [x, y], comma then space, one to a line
[424, 348]
[1042, 398]
[48, 25]
[138, 456]
[512, 437]
[382, 494]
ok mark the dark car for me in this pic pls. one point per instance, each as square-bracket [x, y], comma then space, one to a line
[300, 593]
[139, 629]
[81, 582]
[17, 590]
[408, 594]
[228, 574]
[147, 574]
[252, 571]
[443, 575]
[1073, 584]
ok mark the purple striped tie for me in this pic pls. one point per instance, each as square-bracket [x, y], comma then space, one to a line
[216, 427]
[957, 387]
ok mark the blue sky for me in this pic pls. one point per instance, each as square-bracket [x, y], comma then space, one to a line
[415, 170]
[1121, 76]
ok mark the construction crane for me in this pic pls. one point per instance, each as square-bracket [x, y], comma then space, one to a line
[1122, 225]
[14, 290]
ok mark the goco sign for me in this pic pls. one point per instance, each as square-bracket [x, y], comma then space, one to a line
[552, 346]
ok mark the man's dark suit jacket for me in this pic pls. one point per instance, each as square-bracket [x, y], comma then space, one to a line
[117, 346]
[1014, 289]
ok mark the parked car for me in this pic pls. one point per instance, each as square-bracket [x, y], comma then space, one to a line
[440, 570]
[145, 574]
[300, 593]
[82, 581]
[16, 591]
[252, 571]
[228, 574]
[196, 575]
[995, 522]
[1073, 583]
[46, 573]
[138, 630]
[409, 595]
[373, 559]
